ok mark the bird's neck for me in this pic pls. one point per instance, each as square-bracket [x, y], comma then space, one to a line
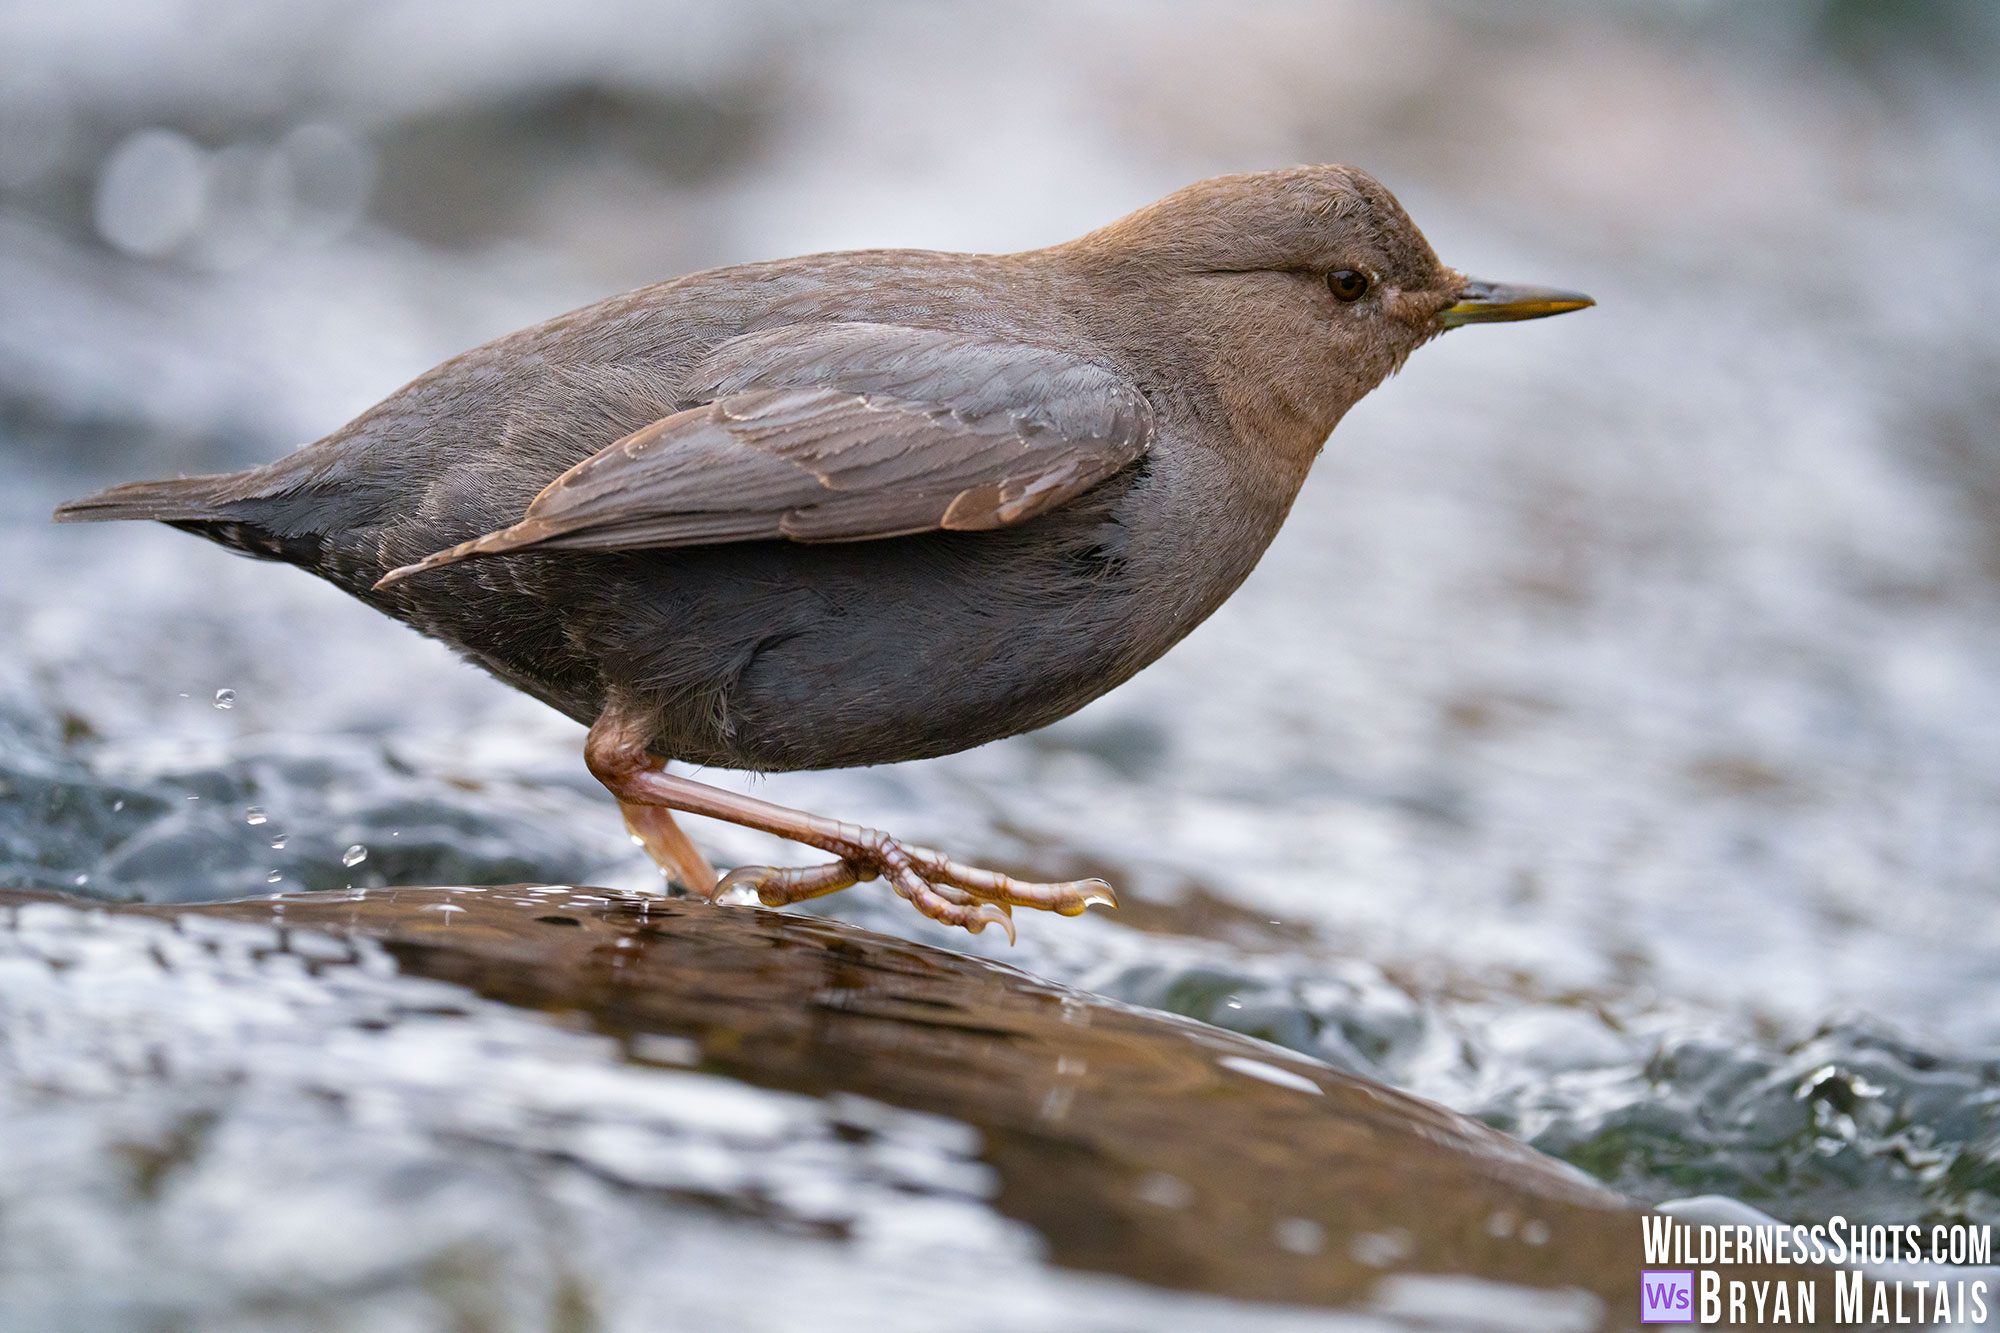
[1248, 360]
[1275, 408]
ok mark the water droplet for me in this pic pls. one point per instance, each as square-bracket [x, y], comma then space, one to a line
[444, 907]
[354, 855]
[278, 843]
[225, 698]
[1379, 1249]
[255, 815]
[1300, 1235]
[1165, 1191]
[664, 1050]
[274, 877]
[117, 805]
[83, 879]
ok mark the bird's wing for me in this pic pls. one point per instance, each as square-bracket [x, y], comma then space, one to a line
[843, 432]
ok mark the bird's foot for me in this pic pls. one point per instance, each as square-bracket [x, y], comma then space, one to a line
[934, 884]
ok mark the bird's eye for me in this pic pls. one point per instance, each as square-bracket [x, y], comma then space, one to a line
[1346, 284]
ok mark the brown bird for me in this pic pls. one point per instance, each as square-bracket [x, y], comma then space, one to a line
[865, 507]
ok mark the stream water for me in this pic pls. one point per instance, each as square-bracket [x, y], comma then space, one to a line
[1606, 749]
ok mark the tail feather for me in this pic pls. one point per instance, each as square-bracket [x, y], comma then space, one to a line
[230, 509]
[185, 499]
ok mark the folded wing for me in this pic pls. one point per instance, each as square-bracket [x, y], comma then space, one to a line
[842, 432]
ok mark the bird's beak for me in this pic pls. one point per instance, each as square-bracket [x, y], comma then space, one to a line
[1494, 303]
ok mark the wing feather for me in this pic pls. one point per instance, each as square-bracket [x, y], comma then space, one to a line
[842, 432]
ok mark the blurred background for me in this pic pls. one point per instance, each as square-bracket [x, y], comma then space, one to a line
[1609, 746]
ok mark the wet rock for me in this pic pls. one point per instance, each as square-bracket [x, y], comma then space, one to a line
[487, 1102]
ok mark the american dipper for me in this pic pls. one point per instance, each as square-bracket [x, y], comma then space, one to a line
[864, 507]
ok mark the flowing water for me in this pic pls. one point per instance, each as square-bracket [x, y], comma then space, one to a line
[1606, 749]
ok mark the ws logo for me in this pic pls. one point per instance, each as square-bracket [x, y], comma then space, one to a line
[1666, 1298]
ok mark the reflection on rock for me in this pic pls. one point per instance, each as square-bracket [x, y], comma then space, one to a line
[339, 1086]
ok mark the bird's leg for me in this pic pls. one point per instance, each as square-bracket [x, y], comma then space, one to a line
[938, 887]
[672, 850]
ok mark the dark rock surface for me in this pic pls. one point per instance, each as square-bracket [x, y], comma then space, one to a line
[506, 1104]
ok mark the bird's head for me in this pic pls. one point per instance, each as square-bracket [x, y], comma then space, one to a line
[1312, 281]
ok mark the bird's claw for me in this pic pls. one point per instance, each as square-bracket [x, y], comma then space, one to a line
[940, 888]
[772, 886]
[1067, 898]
